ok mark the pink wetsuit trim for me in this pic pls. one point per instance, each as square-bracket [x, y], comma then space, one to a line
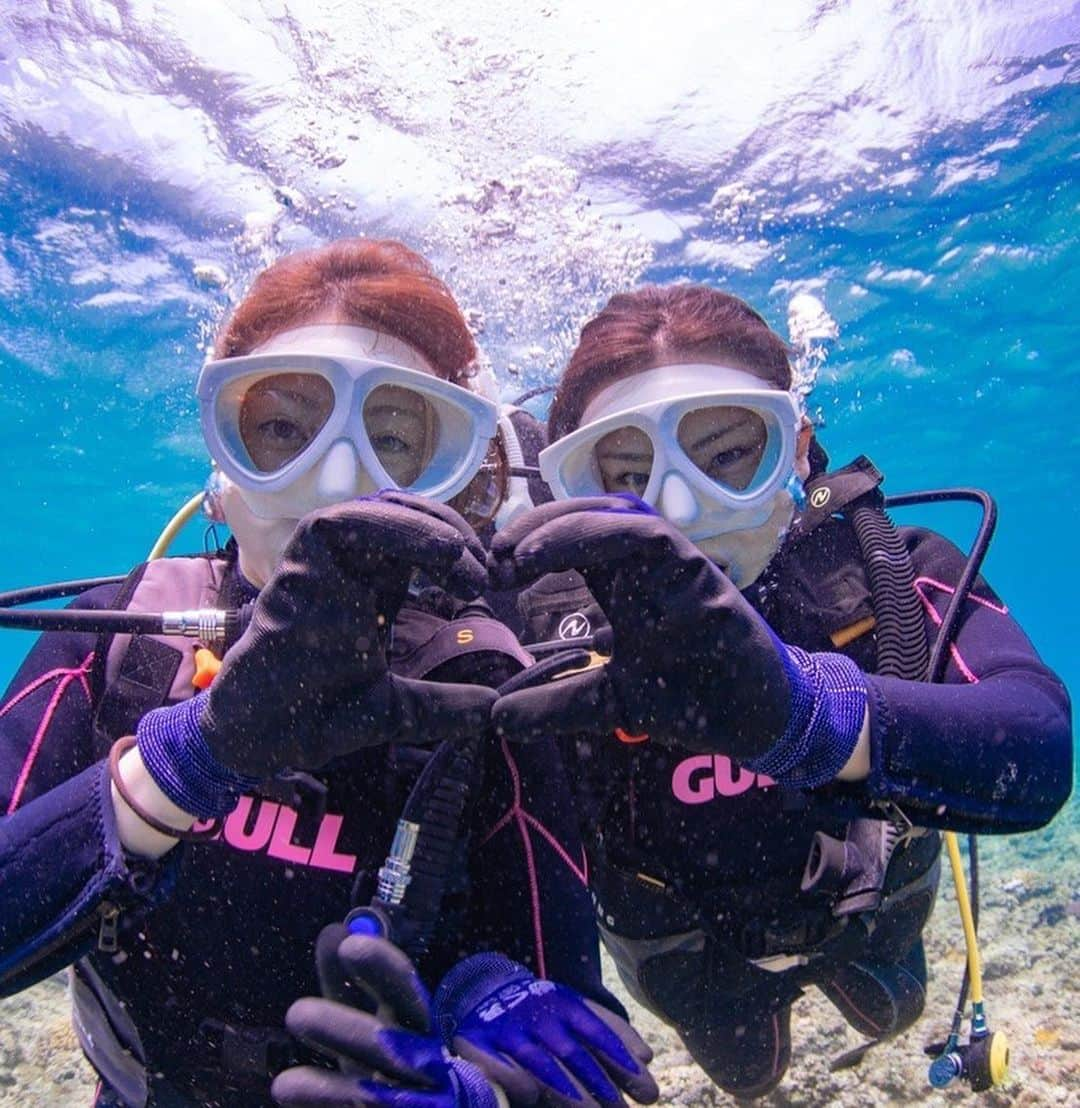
[63, 678]
[856, 1009]
[932, 612]
[525, 820]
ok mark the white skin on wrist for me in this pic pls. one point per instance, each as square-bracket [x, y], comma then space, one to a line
[857, 767]
[136, 836]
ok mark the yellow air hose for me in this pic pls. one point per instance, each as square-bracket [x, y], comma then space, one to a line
[984, 1059]
[952, 845]
[173, 527]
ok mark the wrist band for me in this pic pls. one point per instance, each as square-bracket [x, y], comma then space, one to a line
[467, 985]
[828, 704]
[118, 749]
[185, 769]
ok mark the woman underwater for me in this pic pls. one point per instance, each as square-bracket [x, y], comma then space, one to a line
[344, 370]
[760, 756]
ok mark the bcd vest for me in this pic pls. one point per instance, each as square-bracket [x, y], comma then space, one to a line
[436, 638]
[817, 594]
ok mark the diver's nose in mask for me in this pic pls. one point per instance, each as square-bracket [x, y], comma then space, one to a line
[341, 476]
[676, 501]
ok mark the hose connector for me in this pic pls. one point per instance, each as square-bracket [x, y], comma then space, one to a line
[205, 624]
[396, 873]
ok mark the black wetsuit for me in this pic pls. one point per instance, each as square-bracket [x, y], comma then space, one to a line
[215, 940]
[695, 863]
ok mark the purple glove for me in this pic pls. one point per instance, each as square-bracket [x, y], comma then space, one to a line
[386, 1054]
[309, 679]
[534, 1037]
[692, 663]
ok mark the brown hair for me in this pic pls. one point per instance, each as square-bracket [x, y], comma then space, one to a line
[635, 328]
[374, 283]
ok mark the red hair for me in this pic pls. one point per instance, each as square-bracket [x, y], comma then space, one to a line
[375, 283]
[634, 329]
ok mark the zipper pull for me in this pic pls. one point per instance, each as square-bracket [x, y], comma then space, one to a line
[108, 931]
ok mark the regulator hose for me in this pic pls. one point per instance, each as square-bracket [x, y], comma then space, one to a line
[427, 848]
[899, 620]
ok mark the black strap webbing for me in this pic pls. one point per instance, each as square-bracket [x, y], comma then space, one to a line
[146, 675]
[828, 494]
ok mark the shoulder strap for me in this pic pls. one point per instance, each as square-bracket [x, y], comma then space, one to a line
[469, 647]
[828, 494]
[136, 673]
[882, 573]
[104, 640]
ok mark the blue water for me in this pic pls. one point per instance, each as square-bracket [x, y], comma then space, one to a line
[905, 171]
[911, 166]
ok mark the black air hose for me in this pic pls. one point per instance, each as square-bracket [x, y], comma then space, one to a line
[900, 624]
[413, 882]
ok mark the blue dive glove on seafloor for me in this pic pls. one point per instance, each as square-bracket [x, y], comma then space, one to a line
[374, 1021]
[537, 1038]
[309, 680]
[691, 662]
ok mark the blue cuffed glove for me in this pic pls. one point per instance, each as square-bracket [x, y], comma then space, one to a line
[374, 1021]
[691, 662]
[534, 1037]
[828, 706]
[309, 679]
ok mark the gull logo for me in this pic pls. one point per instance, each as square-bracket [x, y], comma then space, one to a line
[820, 497]
[574, 626]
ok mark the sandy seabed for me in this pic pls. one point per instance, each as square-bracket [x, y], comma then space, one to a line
[1030, 940]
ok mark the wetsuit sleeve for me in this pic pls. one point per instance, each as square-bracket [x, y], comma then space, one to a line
[989, 749]
[62, 867]
[530, 879]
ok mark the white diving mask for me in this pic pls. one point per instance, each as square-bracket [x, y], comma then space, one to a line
[324, 412]
[706, 445]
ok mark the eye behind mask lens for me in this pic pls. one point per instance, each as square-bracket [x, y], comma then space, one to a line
[280, 415]
[403, 429]
[725, 443]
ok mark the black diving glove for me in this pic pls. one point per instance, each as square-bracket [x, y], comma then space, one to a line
[374, 1021]
[309, 679]
[691, 663]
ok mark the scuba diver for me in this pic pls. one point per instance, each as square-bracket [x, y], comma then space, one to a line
[760, 763]
[182, 817]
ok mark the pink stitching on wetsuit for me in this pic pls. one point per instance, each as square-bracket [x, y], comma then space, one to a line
[497, 827]
[957, 657]
[856, 1009]
[557, 846]
[999, 608]
[66, 677]
[517, 814]
[530, 862]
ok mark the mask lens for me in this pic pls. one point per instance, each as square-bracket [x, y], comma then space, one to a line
[728, 444]
[279, 416]
[403, 430]
[624, 458]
